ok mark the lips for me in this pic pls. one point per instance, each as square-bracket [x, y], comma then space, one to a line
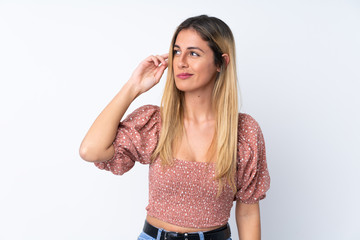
[184, 75]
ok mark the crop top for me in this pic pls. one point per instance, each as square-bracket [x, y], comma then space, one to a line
[185, 193]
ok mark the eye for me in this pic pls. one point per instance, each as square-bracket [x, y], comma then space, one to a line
[194, 54]
[176, 52]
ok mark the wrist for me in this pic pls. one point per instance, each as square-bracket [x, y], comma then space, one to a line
[131, 90]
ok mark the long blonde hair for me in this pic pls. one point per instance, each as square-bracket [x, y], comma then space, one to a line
[224, 98]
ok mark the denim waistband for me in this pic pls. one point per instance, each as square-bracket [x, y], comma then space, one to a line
[221, 233]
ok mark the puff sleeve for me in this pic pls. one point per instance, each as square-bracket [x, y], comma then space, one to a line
[252, 175]
[136, 139]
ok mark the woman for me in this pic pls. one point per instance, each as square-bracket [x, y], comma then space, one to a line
[207, 154]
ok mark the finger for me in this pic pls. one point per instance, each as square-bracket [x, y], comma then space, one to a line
[162, 59]
[165, 55]
[159, 72]
[154, 60]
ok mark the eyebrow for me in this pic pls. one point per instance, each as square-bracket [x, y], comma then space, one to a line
[190, 48]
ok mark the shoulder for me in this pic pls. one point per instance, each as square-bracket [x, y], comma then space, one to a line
[143, 115]
[145, 111]
[248, 127]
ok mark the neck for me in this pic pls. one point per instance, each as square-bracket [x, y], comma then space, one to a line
[198, 107]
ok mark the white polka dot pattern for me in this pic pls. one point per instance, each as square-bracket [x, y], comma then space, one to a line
[185, 194]
[135, 140]
[253, 178]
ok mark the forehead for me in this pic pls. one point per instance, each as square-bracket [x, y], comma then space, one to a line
[190, 38]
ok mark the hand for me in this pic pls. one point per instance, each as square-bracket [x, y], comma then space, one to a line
[149, 72]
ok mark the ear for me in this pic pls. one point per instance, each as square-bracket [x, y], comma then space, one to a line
[226, 57]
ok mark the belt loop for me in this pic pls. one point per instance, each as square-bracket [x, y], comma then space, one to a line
[201, 235]
[159, 234]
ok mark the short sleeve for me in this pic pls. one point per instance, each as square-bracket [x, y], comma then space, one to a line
[136, 139]
[252, 175]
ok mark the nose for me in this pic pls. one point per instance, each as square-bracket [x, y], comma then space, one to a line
[182, 61]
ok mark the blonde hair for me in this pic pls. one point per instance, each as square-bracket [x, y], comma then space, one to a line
[224, 98]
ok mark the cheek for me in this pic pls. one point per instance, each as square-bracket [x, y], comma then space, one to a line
[208, 69]
[201, 66]
[173, 64]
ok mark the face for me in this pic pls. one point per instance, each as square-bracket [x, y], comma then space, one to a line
[193, 63]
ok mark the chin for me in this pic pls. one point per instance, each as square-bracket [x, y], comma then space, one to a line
[182, 87]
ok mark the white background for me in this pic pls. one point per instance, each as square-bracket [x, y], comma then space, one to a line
[61, 62]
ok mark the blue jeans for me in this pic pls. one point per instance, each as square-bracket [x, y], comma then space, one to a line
[144, 236]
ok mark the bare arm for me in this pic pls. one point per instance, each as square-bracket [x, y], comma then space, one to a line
[248, 221]
[97, 144]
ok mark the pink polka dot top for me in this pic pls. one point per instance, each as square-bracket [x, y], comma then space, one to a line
[185, 193]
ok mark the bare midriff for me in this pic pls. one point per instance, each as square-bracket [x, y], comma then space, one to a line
[174, 228]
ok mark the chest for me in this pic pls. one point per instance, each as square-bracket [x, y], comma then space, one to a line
[194, 180]
[195, 143]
